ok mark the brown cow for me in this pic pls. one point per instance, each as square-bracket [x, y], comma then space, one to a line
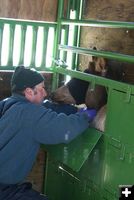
[78, 91]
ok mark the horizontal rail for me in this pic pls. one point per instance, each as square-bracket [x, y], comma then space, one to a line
[27, 22]
[105, 54]
[33, 49]
[96, 79]
[12, 68]
[99, 23]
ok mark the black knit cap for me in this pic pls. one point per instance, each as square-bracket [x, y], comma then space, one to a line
[24, 77]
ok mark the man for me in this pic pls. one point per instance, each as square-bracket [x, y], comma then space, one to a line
[25, 123]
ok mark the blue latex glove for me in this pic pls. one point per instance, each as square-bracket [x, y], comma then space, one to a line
[91, 113]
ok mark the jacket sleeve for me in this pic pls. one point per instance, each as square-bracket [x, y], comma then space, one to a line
[60, 108]
[53, 128]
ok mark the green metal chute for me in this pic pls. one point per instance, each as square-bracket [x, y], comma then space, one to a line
[75, 153]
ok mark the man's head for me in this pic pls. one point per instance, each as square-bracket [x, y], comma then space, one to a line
[28, 82]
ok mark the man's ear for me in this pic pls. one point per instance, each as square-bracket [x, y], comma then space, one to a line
[28, 92]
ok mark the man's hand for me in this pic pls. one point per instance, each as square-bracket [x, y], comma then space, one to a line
[91, 113]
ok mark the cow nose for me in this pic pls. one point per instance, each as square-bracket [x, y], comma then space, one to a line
[103, 72]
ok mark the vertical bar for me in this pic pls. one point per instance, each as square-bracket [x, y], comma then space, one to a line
[65, 42]
[68, 9]
[58, 30]
[57, 40]
[74, 39]
[23, 38]
[74, 44]
[74, 3]
[11, 43]
[66, 28]
[1, 37]
[45, 37]
[53, 43]
[80, 9]
[34, 42]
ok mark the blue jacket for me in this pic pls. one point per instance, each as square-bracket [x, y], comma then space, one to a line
[60, 107]
[23, 127]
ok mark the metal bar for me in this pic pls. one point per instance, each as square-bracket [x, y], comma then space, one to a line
[43, 61]
[77, 30]
[34, 42]
[66, 29]
[80, 8]
[22, 46]
[23, 24]
[58, 31]
[27, 22]
[1, 37]
[74, 44]
[11, 43]
[68, 8]
[105, 54]
[57, 40]
[96, 79]
[11, 68]
[99, 23]
[73, 5]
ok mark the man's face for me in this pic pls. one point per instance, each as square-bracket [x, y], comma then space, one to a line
[39, 93]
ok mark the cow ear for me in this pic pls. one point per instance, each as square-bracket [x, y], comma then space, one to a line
[94, 58]
[94, 48]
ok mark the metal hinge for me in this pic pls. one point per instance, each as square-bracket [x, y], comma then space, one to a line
[117, 144]
[128, 94]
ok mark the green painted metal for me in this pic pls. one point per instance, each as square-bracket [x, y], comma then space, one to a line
[96, 79]
[79, 17]
[23, 37]
[105, 54]
[11, 42]
[65, 42]
[24, 24]
[82, 146]
[45, 38]
[57, 41]
[120, 148]
[66, 29]
[103, 170]
[65, 188]
[1, 36]
[68, 9]
[99, 23]
[11, 68]
[91, 168]
[34, 42]
[75, 37]
[75, 6]
[84, 184]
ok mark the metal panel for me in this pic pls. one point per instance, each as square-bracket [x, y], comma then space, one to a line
[120, 115]
[119, 157]
[60, 185]
[64, 183]
[75, 153]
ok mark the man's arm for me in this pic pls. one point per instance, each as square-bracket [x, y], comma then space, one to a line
[60, 108]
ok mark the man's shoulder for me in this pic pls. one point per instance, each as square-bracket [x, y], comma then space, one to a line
[2, 105]
[6, 104]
